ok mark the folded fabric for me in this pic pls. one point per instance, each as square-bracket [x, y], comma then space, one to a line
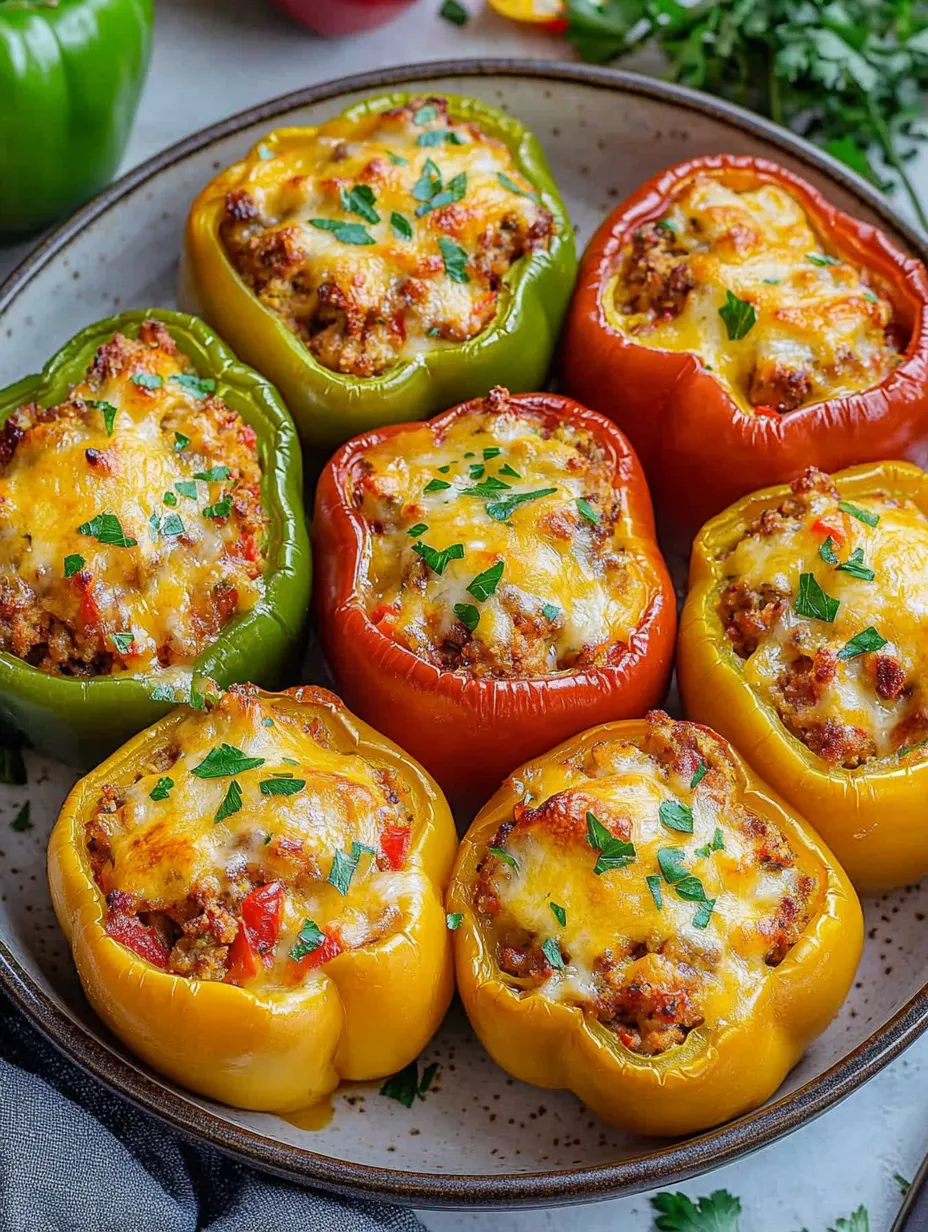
[75, 1158]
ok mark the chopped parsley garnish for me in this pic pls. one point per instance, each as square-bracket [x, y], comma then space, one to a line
[501, 510]
[587, 511]
[405, 1086]
[73, 564]
[267, 721]
[281, 786]
[107, 529]
[438, 136]
[514, 187]
[109, 413]
[739, 316]
[454, 12]
[686, 886]
[225, 761]
[360, 200]
[812, 601]
[162, 693]
[231, 802]
[455, 259]
[402, 228]
[147, 380]
[419, 529]
[308, 940]
[699, 775]
[438, 561]
[504, 856]
[213, 475]
[186, 487]
[443, 470]
[664, 224]
[771, 282]
[425, 114]
[827, 552]
[468, 615]
[676, 816]
[552, 951]
[162, 789]
[180, 441]
[654, 885]
[397, 159]
[289, 761]
[21, 821]
[854, 565]
[344, 867]
[437, 485]
[454, 920]
[717, 844]
[265, 152]
[484, 584]
[199, 386]
[822, 258]
[870, 297]
[550, 611]
[172, 525]
[678, 1213]
[12, 766]
[863, 643]
[559, 913]
[122, 641]
[170, 499]
[862, 515]
[476, 470]
[221, 509]
[507, 470]
[429, 182]
[344, 232]
[704, 913]
[491, 452]
[669, 861]
[487, 488]
[613, 852]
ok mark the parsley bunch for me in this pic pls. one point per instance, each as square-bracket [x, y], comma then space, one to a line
[848, 74]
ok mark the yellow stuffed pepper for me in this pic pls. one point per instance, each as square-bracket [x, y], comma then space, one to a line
[253, 896]
[643, 922]
[805, 639]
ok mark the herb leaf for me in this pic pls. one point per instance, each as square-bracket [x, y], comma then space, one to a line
[281, 786]
[559, 913]
[199, 386]
[21, 822]
[468, 615]
[502, 510]
[225, 761]
[812, 601]
[360, 200]
[454, 920]
[676, 816]
[107, 529]
[402, 228]
[862, 515]
[437, 485]
[454, 12]
[221, 509]
[739, 316]
[147, 380]
[73, 564]
[308, 940]
[109, 413]
[587, 511]
[854, 565]
[514, 187]
[677, 1213]
[438, 561]
[342, 870]
[699, 775]
[419, 529]
[213, 475]
[231, 803]
[505, 856]
[863, 643]
[162, 788]
[613, 852]
[654, 885]
[405, 1086]
[552, 951]
[429, 182]
[344, 232]
[485, 584]
[455, 259]
[180, 441]
[827, 552]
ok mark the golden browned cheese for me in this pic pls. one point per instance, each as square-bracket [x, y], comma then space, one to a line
[742, 279]
[250, 795]
[381, 237]
[131, 525]
[633, 882]
[494, 546]
[825, 602]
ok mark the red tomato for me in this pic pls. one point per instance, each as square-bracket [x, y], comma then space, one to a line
[334, 17]
[394, 843]
[129, 931]
[261, 911]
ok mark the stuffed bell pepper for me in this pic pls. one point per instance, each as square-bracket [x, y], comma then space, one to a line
[739, 328]
[643, 922]
[253, 896]
[71, 72]
[402, 257]
[152, 532]
[490, 583]
[805, 638]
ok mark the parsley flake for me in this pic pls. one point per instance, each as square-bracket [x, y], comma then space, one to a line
[438, 561]
[308, 940]
[822, 258]
[854, 565]
[281, 786]
[717, 844]
[402, 228]
[812, 601]
[491, 452]
[704, 913]
[438, 136]
[559, 913]
[864, 642]
[862, 515]
[21, 821]
[739, 316]
[344, 232]
[502, 510]
[231, 803]
[454, 920]
[827, 552]
[453, 192]
[613, 852]
[147, 380]
[397, 159]
[676, 816]
[507, 470]
[186, 487]
[360, 200]
[107, 529]
[550, 611]
[343, 869]
[425, 114]
[419, 529]
[221, 509]
[699, 775]
[587, 511]
[516, 188]
[170, 499]
[476, 470]
[677, 1213]
[468, 615]
[180, 441]
[455, 259]
[485, 584]
[73, 564]
[552, 952]
[122, 641]
[505, 856]
[213, 475]
[429, 182]
[437, 485]
[109, 414]
[198, 386]
[454, 12]
[265, 152]
[406, 1086]
[162, 789]
[654, 885]
[225, 761]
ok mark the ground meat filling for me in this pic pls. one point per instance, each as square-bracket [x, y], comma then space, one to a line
[328, 251]
[816, 666]
[98, 574]
[650, 989]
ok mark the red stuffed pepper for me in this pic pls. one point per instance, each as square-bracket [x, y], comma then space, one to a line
[491, 584]
[740, 328]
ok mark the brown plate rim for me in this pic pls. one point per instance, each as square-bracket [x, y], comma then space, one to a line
[670, 1163]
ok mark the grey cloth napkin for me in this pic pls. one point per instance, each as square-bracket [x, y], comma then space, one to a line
[75, 1158]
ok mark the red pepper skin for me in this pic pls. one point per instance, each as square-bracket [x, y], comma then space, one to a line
[261, 912]
[138, 937]
[394, 843]
[470, 732]
[335, 17]
[699, 450]
[330, 948]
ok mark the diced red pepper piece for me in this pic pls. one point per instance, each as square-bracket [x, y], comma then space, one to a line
[83, 584]
[394, 843]
[141, 938]
[242, 964]
[821, 527]
[770, 411]
[329, 949]
[261, 913]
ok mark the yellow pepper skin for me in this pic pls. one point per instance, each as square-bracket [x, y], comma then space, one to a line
[720, 1070]
[873, 820]
[329, 407]
[362, 1015]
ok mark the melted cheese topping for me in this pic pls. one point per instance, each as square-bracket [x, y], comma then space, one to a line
[707, 940]
[385, 236]
[566, 592]
[162, 850]
[820, 328]
[894, 604]
[110, 559]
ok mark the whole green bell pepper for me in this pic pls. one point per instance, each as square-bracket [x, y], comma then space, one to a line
[329, 407]
[81, 720]
[71, 72]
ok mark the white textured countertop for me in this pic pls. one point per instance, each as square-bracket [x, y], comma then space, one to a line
[216, 57]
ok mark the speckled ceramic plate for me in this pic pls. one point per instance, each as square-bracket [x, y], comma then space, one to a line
[479, 1138]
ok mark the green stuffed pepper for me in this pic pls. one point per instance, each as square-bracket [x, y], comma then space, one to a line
[71, 72]
[152, 535]
[405, 256]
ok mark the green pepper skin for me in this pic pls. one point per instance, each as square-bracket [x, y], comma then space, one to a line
[81, 721]
[70, 77]
[330, 407]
